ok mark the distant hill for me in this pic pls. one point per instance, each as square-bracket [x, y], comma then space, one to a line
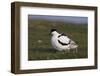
[65, 19]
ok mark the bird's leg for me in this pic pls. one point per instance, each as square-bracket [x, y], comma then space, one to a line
[75, 51]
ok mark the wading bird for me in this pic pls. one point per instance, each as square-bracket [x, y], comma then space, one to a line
[61, 42]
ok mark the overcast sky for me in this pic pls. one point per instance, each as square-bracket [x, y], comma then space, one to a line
[67, 19]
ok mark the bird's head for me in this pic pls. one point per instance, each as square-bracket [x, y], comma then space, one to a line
[53, 32]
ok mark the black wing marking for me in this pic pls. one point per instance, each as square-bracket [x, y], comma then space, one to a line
[64, 43]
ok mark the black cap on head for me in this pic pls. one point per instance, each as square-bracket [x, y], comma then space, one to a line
[53, 30]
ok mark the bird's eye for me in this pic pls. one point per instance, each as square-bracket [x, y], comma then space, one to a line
[51, 34]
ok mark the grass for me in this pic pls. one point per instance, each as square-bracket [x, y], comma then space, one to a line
[39, 45]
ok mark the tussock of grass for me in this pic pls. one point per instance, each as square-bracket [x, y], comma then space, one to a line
[39, 45]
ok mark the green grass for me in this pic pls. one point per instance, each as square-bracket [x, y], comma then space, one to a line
[39, 45]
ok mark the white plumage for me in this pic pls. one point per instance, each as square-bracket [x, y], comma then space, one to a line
[63, 39]
[61, 42]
